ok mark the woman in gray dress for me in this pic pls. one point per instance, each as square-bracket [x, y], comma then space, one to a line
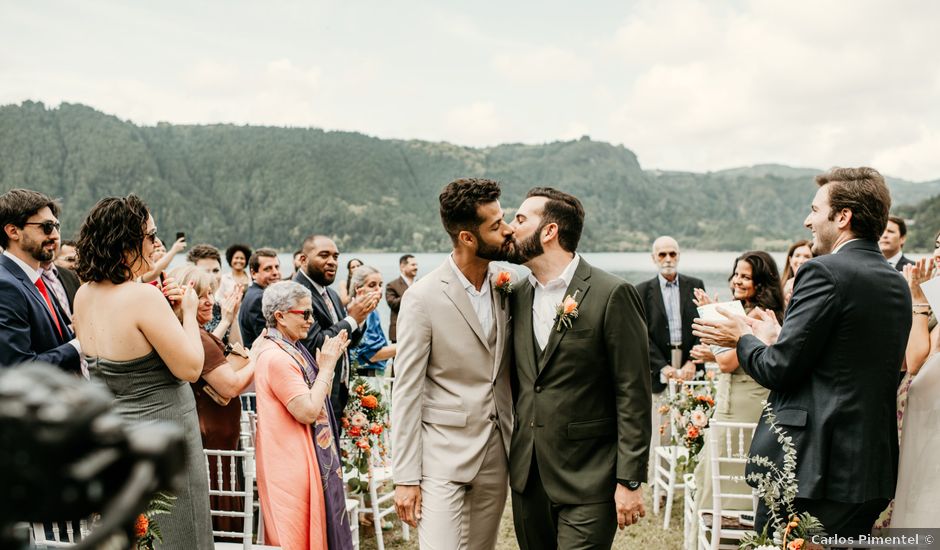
[134, 343]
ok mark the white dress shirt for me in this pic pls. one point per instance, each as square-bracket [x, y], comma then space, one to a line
[546, 300]
[895, 259]
[480, 299]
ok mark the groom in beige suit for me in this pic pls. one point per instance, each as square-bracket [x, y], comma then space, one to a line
[452, 402]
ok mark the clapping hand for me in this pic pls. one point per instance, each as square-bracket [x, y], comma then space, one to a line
[725, 332]
[172, 291]
[702, 298]
[363, 304]
[765, 325]
[331, 350]
[702, 354]
[230, 305]
[917, 274]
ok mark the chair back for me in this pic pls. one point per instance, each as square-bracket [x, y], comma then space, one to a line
[729, 443]
[232, 474]
[58, 534]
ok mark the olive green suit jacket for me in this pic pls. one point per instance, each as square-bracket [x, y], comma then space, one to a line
[583, 405]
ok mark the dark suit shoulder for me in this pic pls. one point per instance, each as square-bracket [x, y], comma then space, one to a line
[647, 285]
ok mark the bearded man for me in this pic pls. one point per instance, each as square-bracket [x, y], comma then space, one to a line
[33, 325]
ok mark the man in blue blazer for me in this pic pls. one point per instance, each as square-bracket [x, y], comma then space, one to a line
[33, 326]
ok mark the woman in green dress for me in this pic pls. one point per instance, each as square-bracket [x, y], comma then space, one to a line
[755, 281]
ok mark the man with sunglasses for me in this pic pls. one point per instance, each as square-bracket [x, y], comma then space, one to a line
[33, 325]
[667, 299]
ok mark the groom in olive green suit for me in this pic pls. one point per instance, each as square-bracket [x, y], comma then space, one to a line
[581, 387]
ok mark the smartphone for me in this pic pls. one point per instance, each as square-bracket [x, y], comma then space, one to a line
[180, 235]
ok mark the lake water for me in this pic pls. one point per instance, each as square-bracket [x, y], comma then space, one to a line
[710, 266]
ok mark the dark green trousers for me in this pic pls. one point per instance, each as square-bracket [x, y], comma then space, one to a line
[544, 525]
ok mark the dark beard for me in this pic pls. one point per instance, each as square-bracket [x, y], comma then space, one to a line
[523, 251]
[493, 253]
[38, 252]
[319, 277]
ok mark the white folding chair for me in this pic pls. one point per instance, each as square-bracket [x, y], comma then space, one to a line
[728, 446]
[380, 502]
[666, 457]
[56, 537]
[225, 482]
[688, 513]
[352, 512]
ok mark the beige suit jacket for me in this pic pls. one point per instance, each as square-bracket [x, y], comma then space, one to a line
[450, 386]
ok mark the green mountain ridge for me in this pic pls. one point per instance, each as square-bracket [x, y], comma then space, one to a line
[272, 186]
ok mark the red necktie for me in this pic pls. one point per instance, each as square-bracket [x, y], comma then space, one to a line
[42, 290]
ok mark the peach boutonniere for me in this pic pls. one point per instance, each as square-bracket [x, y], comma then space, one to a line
[566, 312]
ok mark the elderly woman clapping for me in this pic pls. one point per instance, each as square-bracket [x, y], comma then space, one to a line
[299, 471]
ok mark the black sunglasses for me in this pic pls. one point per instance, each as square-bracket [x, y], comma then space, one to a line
[307, 313]
[152, 236]
[47, 226]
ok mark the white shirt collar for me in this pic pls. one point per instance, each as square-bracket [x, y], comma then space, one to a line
[319, 288]
[408, 282]
[565, 276]
[467, 285]
[838, 248]
[30, 272]
[893, 260]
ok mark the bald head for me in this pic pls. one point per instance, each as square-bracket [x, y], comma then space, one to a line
[666, 256]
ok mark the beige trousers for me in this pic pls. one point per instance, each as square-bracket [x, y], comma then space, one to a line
[451, 512]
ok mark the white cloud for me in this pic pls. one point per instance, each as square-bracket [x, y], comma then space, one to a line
[820, 85]
[477, 122]
[540, 65]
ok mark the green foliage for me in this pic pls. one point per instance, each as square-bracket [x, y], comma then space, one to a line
[273, 186]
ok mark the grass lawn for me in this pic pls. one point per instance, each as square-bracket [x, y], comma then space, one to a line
[648, 533]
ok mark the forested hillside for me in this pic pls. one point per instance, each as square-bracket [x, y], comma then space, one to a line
[272, 186]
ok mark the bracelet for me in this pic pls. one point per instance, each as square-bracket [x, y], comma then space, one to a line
[924, 313]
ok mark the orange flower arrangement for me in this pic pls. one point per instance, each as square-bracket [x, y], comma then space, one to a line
[370, 401]
[566, 312]
[364, 421]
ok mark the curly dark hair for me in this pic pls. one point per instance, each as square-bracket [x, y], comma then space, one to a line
[768, 292]
[459, 201]
[237, 247]
[114, 229]
[203, 252]
[18, 205]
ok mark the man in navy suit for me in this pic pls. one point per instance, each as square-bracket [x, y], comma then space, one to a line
[33, 326]
[317, 272]
[265, 270]
[832, 368]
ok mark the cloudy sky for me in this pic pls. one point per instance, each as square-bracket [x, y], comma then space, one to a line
[685, 84]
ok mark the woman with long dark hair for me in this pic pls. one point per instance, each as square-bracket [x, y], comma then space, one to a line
[798, 254]
[135, 344]
[345, 296]
[755, 281]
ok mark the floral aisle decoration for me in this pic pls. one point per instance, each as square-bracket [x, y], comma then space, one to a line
[146, 528]
[691, 412]
[777, 487]
[363, 424]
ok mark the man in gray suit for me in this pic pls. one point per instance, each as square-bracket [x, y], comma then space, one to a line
[452, 402]
[581, 387]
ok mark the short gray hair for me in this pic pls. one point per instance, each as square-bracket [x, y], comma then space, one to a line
[281, 296]
[359, 277]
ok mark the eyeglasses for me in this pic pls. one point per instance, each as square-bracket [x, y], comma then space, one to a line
[151, 236]
[47, 226]
[307, 313]
[670, 254]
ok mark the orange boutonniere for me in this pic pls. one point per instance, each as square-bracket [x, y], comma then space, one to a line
[566, 312]
[503, 283]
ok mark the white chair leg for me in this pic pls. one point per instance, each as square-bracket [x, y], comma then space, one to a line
[376, 513]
